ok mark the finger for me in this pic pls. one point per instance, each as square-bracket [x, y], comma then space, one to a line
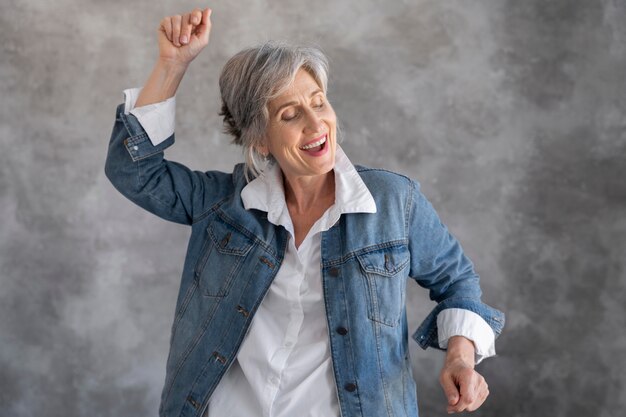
[185, 30]
[205, 26]
[176, 22]
[195, 16]
[468, 388]
[481, 398]
[166, 26]
[449, 388]
[465, 393]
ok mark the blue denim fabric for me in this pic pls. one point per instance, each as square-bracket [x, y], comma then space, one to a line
[234, 254]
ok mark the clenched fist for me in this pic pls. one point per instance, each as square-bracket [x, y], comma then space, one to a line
[182, 37]
[465, 389]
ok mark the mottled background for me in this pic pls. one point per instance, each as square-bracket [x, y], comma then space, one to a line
[512, 115]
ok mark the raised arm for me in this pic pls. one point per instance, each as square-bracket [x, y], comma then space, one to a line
[135, 165]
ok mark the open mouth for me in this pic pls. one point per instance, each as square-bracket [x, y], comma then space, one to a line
[316, 146]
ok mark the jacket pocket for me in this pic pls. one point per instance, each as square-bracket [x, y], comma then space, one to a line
[222, 255]
[385, 271]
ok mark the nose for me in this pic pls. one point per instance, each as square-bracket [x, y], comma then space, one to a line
[313, 122]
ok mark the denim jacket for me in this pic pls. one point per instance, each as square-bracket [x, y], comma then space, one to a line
[234, 254]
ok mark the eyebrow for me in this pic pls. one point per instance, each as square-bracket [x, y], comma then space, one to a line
[291, 103]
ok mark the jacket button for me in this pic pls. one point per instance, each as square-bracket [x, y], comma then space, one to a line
[193, 402]
[350, 387]
[333, 272]
[342, 331]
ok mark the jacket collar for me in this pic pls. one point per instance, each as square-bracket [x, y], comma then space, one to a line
[266, 193]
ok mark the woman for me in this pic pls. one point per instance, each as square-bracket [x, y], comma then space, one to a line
[314, 249]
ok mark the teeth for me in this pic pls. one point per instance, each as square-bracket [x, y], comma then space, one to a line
[314, 144]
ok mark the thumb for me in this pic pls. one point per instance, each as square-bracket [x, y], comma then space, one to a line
[450, 390]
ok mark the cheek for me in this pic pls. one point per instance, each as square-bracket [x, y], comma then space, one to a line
[329, 116]
[282, 139]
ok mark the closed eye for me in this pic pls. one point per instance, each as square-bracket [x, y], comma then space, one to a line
[288, 118]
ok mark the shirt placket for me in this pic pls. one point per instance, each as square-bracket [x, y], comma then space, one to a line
[292, 325]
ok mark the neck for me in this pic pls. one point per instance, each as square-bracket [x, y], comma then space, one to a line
[305, 193]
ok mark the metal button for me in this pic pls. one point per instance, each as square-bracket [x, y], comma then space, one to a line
[342, 331]
[350, 387]
[266, 262]
[243, 311]
[333, 272]
[135, 147]
[219, 357]
[193, 402]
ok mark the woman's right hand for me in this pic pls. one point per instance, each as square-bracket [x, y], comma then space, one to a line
[182, 37]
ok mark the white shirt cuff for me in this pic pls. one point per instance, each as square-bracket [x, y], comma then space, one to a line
[461, 322]
[157, 119]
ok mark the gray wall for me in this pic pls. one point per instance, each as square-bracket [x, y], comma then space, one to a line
[512, 115]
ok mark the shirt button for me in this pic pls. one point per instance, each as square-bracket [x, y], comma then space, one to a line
[289, 344]
[350, 387]
[342, 331]
[274, 380]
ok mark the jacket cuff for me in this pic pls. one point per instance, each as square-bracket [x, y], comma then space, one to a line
[427, 334]
[458, 322]
[138, 144]
[158, 119]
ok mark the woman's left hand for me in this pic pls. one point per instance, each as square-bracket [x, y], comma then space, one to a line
[465, 389]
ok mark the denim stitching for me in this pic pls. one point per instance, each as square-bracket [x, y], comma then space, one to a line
[193, 286]
[185, 355]
[246, 232]
[238, 344]
[363, 251]
[380, 369]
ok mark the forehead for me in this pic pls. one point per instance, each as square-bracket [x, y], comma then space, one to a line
[303, 84]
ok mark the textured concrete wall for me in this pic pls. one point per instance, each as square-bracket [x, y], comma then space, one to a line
[512, 115]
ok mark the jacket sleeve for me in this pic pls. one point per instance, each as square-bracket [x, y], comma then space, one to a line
[137, 169]
[439, 264]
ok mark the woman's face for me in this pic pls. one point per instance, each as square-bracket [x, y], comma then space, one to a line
[301, 133]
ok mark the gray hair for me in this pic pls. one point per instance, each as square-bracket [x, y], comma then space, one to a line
[254, 76]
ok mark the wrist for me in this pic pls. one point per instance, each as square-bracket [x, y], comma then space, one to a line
[163, 82]
[171, 66]
[460, 349]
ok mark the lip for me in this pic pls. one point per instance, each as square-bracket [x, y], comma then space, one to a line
[314, 140]
[321, 152]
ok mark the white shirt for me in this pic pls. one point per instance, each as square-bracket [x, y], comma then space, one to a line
[283, 367]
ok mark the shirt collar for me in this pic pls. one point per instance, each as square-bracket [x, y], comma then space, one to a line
[266, 193]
